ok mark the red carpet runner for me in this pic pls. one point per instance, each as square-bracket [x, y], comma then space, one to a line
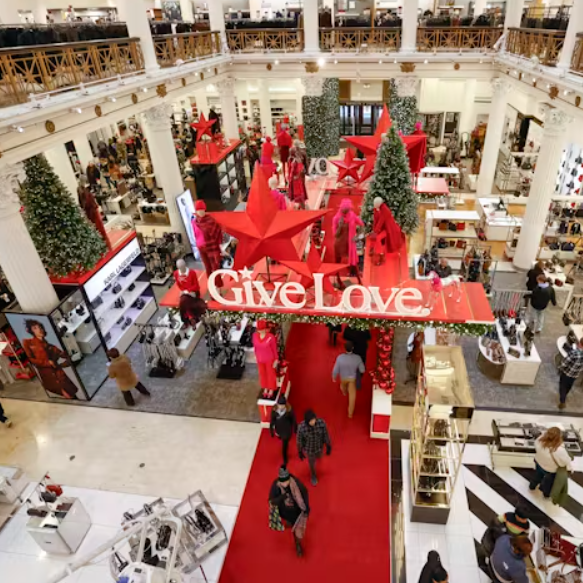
[347, 538]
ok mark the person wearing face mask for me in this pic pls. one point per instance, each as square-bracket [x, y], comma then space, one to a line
[283, 424]
[209, 236]
[542, 295]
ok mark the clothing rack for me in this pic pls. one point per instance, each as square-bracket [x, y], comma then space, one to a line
[159, 345]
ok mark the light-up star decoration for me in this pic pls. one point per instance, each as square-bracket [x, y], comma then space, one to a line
[313, 265]
[348, 168]
[203, 127]
[262, 230]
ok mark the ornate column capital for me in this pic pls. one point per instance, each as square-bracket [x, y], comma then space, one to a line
[500, 86]
[11, 175]
[406, 86]
[556, 120]
[226, 86]
[158, 117]
[313, 85]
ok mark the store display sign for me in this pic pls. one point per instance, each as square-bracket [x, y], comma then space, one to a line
[112, 269]
[355, 300]
[186, 210]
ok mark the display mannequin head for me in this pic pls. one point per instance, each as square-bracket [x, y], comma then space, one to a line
[261, 327]
[273, 182]
[181, 265]
[200, 208]
[378, 201]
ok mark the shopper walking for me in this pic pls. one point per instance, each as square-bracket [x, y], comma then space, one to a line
[3, 418]
[359, 339]
[312, 437]
[569, 371]
[515, 522]
[542, 295]
[532, 275]
[549, 457]
[507, 560]
[120, 369]
[283, 424]
[431, 570]
[289, 503]
[347, 367]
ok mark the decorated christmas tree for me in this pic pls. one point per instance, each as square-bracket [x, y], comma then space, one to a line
[404, 110]
[330, 98]
[64, 238]
[392, 182]
[322, 121]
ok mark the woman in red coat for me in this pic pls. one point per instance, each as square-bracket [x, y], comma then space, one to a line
[297, 182]
[45, 357]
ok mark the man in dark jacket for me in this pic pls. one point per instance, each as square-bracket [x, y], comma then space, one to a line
[283, 424]
[542, 295]
[507, 561]
[359, 339]
[532, 275]
[312, 436]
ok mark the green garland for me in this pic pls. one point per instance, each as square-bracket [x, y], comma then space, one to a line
[358, 323]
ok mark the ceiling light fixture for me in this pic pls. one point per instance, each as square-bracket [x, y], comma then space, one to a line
[321, 62]
[145, 89]
[395, 61]
[18, 129]
[335, 61]
[276, 62]
[76, 110]
[381, 62]
[426, 61]
[112, 99]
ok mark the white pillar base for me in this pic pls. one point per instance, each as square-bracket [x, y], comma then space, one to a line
[228, 108]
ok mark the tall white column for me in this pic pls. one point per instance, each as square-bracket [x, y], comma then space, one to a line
[202, 103]
[409, 26]
[83, 150]
[226, 89]
[480, 7]
[187, 10]
[513, 14]
[300, 92]
[311, 27]
[542, 188]
[164, 160]
[18, 256]
[500, 88]
[575, 26]
[265, 108]
[217, 19]
[58, 158]
[40, 12]
[133, 13]
[9, 12]
[468, 118]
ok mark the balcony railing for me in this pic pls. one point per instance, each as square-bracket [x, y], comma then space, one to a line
[282, 40]
[531, 42]
[44, 68]
[577, 58]
[186, 47]
[360, 39]
[461, 38]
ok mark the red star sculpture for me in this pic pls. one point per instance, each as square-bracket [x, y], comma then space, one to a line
[369, 144]
[312, 265]
[348, 167]
[368, 168]
[262, 230]
[203, 127]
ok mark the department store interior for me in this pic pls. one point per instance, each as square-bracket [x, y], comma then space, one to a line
[224, 205]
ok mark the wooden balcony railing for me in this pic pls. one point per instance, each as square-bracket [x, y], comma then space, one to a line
[282, 40]
[534, 42]
[186, 46]
[43, 68]
[577, 58]
[457, 38]
[360, 39]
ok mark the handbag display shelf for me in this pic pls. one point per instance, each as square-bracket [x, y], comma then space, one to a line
[570, 172]
[513, 444]
[562, 236]
[441, 417]
[514, 173]
[450, 231]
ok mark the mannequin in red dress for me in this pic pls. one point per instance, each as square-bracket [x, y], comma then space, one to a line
[387, 236]
[265, 346]
[284, 143]
[297, 181]
[187, 282]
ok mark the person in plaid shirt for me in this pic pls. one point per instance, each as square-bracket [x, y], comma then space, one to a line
[570, 369]
[311, 438]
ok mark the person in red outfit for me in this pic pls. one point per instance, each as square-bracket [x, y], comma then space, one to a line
[387, 236]
[209, 236]
[267, 157]
[88, 203]
[190, 305]
[297, 182]
[265, 346]
[284, 143]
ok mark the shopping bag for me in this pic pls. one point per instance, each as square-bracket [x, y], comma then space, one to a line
[275, 522]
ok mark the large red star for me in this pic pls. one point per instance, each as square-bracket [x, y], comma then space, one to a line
[348, 167]
[203, 127]
[262, 230]
[312, 265]
[369, 144]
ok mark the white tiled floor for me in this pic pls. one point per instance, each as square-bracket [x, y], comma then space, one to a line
[22, 560]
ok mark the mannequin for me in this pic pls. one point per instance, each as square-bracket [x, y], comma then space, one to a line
[187, 283]
[209, 237]
[344, 228]
[297, 181]
[89, 205]
[387, 236]
[267, 157]
[265, 346]
[278, 197]
[284, 143]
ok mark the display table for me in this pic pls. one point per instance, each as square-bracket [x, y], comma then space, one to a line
[117, 203]
[445, 172]
[433, 233]
[12, 484]
[497, 225]
[455, 265]
[564, 292]
[61, 532]
[380, 419]
[431, 187]
[266, 405]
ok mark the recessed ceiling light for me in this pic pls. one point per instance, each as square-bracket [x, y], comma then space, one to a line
[426, 61]
[76, 110]
[112, 99]
[395, 61]
[321, 62]
[276, 62]
[145, 89]
[18, 129]
[381, 62]
[335, 61]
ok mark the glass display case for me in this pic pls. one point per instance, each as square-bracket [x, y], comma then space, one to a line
[441, 418]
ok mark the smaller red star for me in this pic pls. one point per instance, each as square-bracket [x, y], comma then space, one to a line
[368, 168]
[348, 167]
[203, 127]
[312, 265]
